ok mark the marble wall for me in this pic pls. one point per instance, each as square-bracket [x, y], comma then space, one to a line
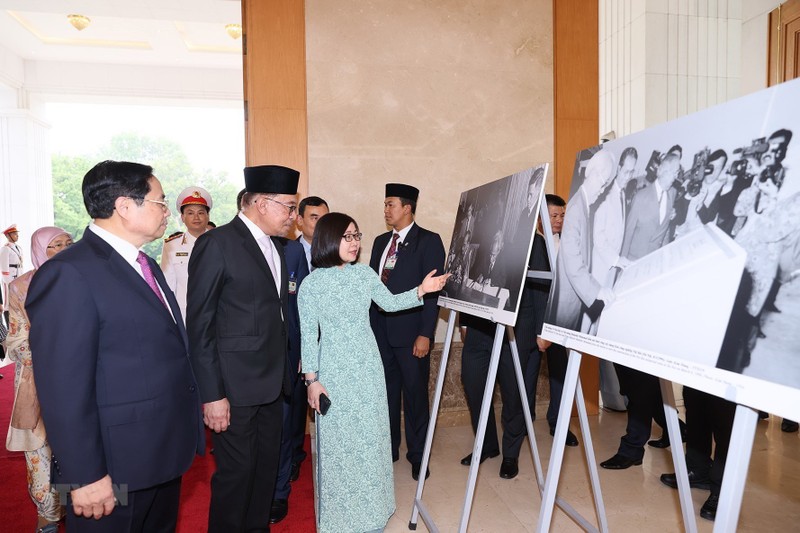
[443, 95]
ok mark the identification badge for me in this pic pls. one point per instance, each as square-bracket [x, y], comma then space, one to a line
[292, 286]
[181, 254]
[390, 262]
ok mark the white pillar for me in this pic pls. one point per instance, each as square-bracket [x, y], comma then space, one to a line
[660, 60]
[26, 185]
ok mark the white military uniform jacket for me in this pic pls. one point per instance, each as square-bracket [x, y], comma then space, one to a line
[11, 265]
[175, 265]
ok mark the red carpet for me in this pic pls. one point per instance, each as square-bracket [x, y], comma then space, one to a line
[19, 515]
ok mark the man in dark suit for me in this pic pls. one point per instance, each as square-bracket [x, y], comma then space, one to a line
[310, 210]
[237, 304]
[489, 268]
[646, 230]
[403, 257]
[295, 406]
[116, 388]
[530, 319]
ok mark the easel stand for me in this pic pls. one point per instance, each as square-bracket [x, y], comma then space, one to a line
[571, 386]
[573, 391]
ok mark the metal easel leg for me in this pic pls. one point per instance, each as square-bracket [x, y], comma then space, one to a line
[591, 461]
[559, 439]
[736, 465]
[678, 456]
[419, 506]
[523, 392]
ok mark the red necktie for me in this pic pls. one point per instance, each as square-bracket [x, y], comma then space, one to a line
[147, 272]
[392, 250]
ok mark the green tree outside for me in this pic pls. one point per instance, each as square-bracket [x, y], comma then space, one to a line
[170, 165]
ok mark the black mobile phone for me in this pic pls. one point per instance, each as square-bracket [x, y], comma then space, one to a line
[324, 404]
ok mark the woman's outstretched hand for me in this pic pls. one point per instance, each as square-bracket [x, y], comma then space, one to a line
[432, 283]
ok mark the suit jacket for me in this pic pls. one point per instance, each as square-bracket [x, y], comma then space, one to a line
[238, 339]
[421, 252]
[575, 288]
[644, 233]
[113, 376]
[297, 266]
[536, 292]
[485, 270]
[608, 230]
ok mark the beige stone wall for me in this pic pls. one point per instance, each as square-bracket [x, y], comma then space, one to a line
[444, 95]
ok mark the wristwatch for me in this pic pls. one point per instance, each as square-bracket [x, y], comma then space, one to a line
[310, 381]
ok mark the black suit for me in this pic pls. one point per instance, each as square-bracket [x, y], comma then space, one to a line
[530, 321]
[295, 407]
[476, 356]
[407, 376]
[238, 343]
[113, 377]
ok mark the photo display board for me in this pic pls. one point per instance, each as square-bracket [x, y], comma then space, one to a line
[680, 252]
[491, 243]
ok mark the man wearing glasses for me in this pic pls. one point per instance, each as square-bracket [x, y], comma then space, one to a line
[236, 310]
[403, 257]
[117, 393]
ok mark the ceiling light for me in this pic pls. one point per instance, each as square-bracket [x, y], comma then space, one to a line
[234, 30]
[79, 22]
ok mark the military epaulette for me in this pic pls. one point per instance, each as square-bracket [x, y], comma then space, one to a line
[174, 236]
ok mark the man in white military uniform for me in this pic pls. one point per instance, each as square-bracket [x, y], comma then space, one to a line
[194, 203]
[11, 263]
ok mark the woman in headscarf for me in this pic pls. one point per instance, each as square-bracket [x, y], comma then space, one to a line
[26, 432]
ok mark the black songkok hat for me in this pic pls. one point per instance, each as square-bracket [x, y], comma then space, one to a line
[271, 179]
[402, 191]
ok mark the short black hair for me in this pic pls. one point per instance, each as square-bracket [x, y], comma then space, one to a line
[786, 134]
[554, 199]
[408, 201]
[313, 201]
[676, 148]
[718, 154]
[109, 180]
[211, 224]
[630, 151]
[327, 238]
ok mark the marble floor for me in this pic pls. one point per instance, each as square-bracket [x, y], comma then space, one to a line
[635, 500]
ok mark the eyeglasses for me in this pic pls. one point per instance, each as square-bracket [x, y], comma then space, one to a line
[60, 245]
[350, 236]
[291, 208]
[164, 205]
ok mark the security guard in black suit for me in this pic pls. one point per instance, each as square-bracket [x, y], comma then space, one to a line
[403, 257]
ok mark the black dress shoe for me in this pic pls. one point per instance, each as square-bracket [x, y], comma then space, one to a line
[466, 461]
[509, 468]
[789, 426]
[572, 440]
[709, 509]
[279, 510]
[620, 462]
[763, 415]
[696, 481]
[295, 472]
[662, 442]
[415, 467]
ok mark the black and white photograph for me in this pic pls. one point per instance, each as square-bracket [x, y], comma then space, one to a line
[491, 242]
[680, 251]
